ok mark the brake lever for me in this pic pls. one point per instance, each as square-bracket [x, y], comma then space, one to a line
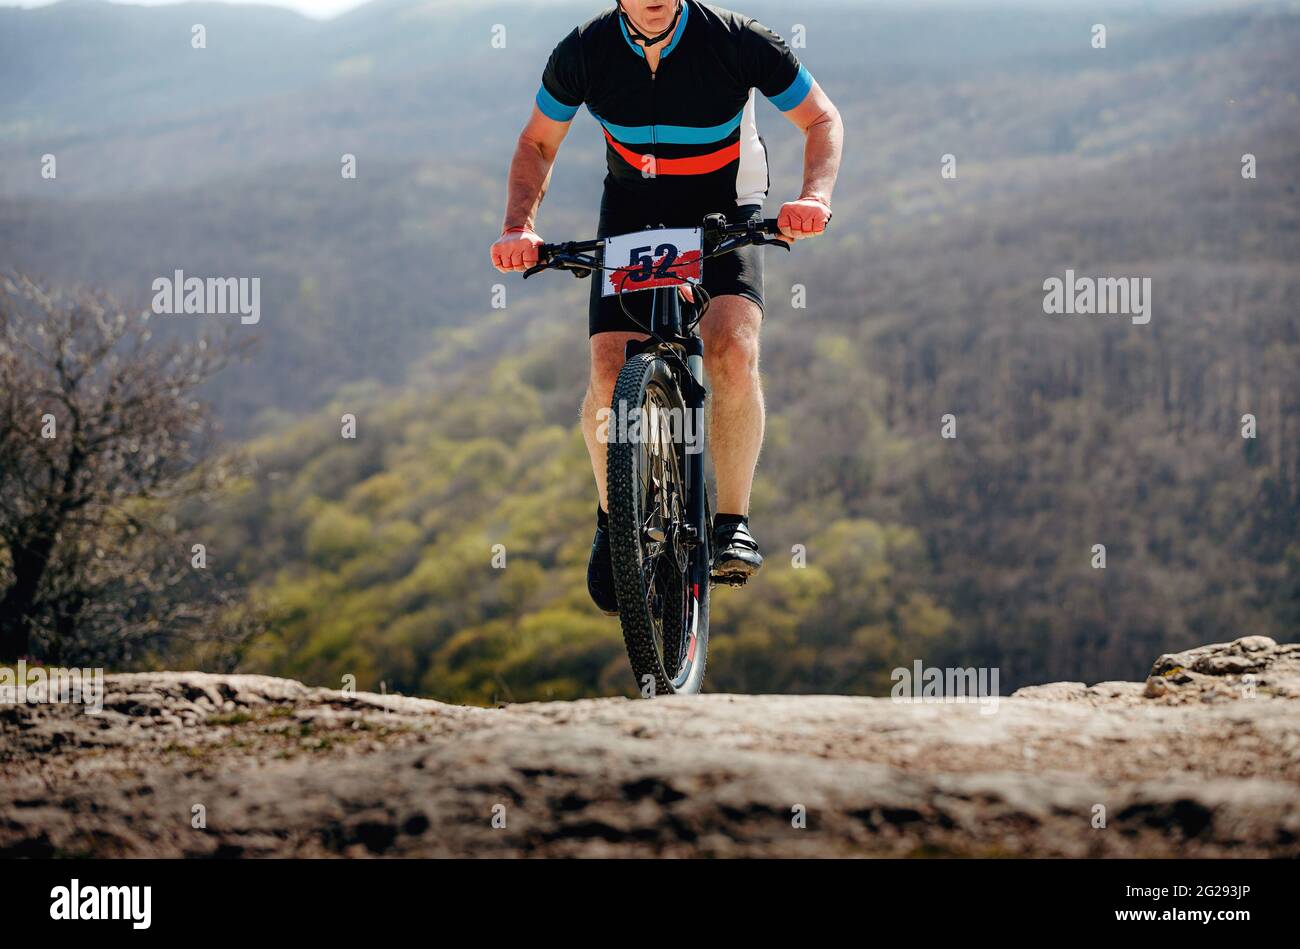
[577, 266]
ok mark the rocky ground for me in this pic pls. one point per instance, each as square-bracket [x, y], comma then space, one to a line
[1203, 759]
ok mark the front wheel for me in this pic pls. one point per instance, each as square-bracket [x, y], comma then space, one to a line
[662, 607]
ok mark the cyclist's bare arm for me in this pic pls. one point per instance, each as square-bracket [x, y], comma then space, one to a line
[530, 173]
[823, 132]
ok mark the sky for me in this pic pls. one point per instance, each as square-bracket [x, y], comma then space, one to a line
[318, 9]
[324, 9]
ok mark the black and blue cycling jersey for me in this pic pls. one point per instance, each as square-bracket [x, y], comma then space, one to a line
[689, 127]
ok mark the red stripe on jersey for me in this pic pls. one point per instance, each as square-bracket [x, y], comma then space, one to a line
[695, 165]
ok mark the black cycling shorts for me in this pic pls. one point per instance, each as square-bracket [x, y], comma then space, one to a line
[621, 212]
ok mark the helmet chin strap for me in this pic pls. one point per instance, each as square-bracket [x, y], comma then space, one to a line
[639, 37]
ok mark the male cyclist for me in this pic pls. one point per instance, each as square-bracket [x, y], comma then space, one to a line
[672, 84]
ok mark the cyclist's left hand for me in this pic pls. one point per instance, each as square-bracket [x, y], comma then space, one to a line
[806, 217]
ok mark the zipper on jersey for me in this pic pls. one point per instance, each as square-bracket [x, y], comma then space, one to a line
[654, 131]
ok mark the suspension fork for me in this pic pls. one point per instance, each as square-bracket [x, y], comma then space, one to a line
[666, 319]
[693, 395]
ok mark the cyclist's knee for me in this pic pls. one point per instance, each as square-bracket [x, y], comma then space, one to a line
[731, 346]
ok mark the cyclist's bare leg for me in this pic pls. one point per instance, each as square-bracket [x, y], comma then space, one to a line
[730, 331]
[606, 360]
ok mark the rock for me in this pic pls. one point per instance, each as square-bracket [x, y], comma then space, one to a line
[1101, 693]
[1242, 669]
[1200, 760]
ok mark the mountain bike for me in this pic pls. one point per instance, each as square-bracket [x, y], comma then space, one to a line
[660, 526]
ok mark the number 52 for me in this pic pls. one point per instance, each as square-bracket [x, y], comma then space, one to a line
[641, 257]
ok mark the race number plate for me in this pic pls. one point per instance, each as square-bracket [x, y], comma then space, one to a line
[665, 257]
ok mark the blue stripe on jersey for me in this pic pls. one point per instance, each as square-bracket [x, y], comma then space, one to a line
[681, 28]
[553, 108]
[671, 134]
[794, 94]
[636, 49]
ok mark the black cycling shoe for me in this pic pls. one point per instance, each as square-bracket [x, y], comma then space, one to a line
[736, 556]
[600, 570]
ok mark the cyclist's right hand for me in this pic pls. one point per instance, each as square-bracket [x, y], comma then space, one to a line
[515, 250]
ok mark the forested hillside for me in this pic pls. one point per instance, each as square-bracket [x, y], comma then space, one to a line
[924, 300]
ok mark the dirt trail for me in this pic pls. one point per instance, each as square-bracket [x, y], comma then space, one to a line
[1201, 760]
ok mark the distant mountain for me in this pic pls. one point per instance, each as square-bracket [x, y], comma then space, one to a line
[227, 159]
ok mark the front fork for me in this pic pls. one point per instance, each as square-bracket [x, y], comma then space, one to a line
[697, 491]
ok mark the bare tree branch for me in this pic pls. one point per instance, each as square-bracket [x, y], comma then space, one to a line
[101, 436]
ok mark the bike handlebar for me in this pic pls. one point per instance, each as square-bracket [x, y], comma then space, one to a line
[719, 238]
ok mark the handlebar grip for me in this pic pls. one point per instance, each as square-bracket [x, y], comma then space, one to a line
[770, 225]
